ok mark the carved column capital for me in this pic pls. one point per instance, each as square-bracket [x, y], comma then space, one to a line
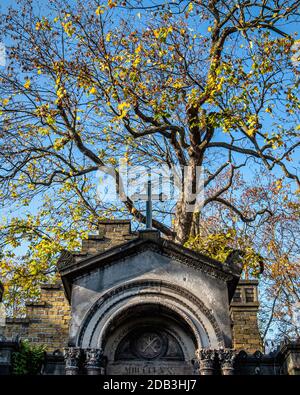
[206, 359]
[72, 359]
[227, 358]
[94, 361]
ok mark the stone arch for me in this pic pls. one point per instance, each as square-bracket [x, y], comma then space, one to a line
[144, 302]
[143, 318]
[103, 315]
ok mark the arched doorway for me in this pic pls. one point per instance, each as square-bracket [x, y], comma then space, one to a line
[128, 317]
[149, 339]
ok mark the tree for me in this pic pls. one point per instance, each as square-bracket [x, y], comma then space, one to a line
[269, 247]
[187, 83]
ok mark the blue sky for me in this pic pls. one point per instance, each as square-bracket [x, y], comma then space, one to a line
[248, 172]
[41, 10]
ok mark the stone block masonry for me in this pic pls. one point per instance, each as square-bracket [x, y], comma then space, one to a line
[243, 311]
[46, 322]
[111, 233]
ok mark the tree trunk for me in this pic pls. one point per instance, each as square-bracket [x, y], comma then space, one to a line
[182, 223]
[187, 205]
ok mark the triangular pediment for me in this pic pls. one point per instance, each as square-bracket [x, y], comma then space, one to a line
[72, 266]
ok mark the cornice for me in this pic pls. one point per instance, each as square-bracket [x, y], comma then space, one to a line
[71, 267]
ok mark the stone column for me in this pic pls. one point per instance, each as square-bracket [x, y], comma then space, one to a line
[72, 359]
[290, 357]
[226, 359]
[243, 312]
[206, 359]
[94, 361]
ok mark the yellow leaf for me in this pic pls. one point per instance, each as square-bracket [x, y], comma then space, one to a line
[136, 62]
[112, 161]
[123, 108]
[93, 90]
[69, 28]
[156, 33]
[111, 3]
[209, 29]
[27, 84]
[251, 131]
[123, 105]
[58, 144]
[138, 49]
[99, 10]
[279, 184]
[108, 37]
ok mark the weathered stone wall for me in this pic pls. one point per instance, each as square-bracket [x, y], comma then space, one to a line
[290, 358]
[243, 311]
[16, 327]
[46, 322]
[111, 233]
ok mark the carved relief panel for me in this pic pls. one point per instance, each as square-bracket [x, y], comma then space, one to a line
[149, 344]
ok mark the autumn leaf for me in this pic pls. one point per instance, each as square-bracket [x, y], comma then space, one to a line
[99, 10]
[27, 84]
[93, 90]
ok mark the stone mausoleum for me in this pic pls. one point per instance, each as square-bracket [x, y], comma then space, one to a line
[137, 303]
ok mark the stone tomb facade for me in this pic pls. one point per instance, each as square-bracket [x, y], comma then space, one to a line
[136, 303]
[148, 306]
